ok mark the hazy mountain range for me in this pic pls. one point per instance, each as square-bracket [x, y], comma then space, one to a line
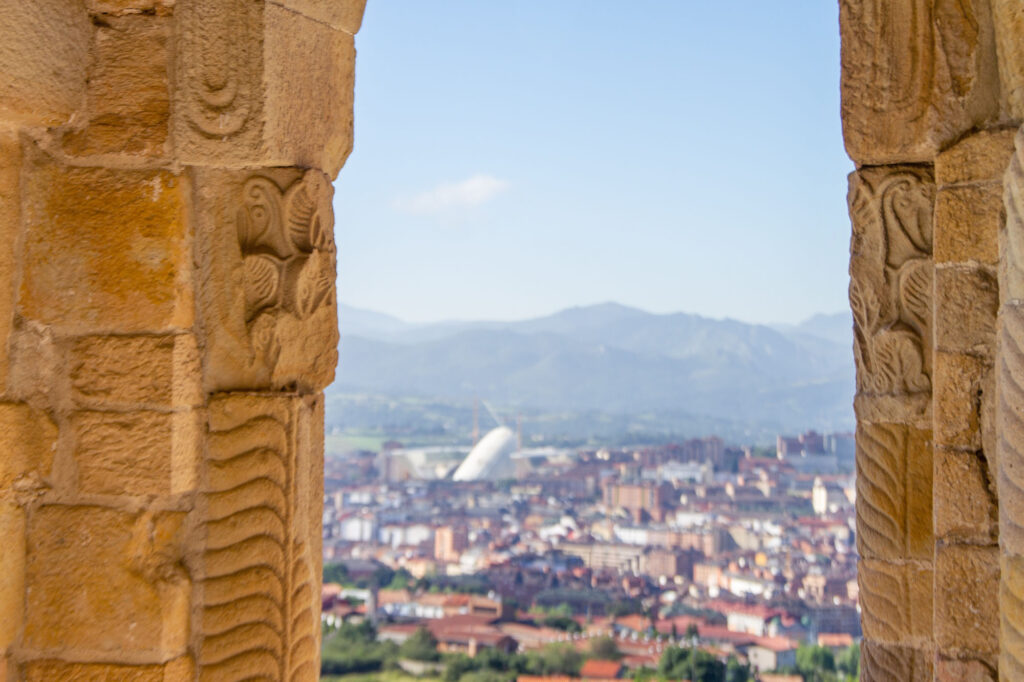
[614, 359]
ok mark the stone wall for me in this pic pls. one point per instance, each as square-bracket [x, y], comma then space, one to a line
[167, 325]
[932, 98]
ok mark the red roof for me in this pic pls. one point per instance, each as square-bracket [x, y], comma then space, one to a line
[608, 670]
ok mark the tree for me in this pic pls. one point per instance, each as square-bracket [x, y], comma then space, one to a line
[734, 672]
[605, 648]
[421, 646]
[812, 661]
[336, 573]
[690, 664]
[849, 661]
[692, 633]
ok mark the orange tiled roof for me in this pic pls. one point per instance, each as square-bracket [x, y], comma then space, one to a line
[595, 669]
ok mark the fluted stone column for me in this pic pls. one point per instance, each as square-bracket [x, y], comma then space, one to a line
[928, 118]
[167, 325]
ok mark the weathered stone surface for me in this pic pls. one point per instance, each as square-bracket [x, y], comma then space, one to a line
[1009, 16]
[136, 371]
[916, 75]
[965, 501]
[980, 157]
[178, 670]
[96, 582]
[1011, 237]
[966, 303]
[268, 267]
[952, 670]
[1010, 424]
[891, 279]
[1011, 617]
[958, 397]
[10, 217]
[967, 222]
[28, 439]
[344, 15]
[130, 7]
[128, 100]
[258, 566]
[136, 453]
[259, 84]
[894, 492]
[896, 601]
[882, 663]
[80, 275]
[44, 49]
[966, 615]
[12, 574]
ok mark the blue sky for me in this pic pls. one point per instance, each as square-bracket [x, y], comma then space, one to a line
[515, 158]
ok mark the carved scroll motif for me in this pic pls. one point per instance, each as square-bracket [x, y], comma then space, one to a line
[880, 663]
[288, 254]
[1011, 615]
[891, 280]
[881, 493]
[258, 619]
[219, 64]
[884, 598]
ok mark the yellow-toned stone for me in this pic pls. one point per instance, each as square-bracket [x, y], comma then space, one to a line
[970, 670]
[136, 453]
[882, 663]
[105, 250]
[966, 612]
[12, 574]
[88, 589]
[10, 216]
[258, 84]
[966, 303]
[136, 371]
[128, 101]
[967, 222]
[894, 492]
[44, 49]
[980, 157]
[958, 397]
[916, 75]
[345, 15]
[896, 601]
[130, 7]
[965, 500]
[28, 439]
[1009, 16]
[49, 670]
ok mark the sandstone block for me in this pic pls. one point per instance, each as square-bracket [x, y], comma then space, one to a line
[967, 223]
[1009, 16]
[894, 492]
[87, 589]
[1011, 238]
[1010, 426]
[966, 303]
[105, 250]
[127, 100]
[344, 15]
[44, 49]
[136, 453]
[916, 75]
[896, 600]
[883, 663]
[891, 275]
[1011, 614]
[47, 670]
[129, 7]
[12, 574]
[261, 85]
[965, 501]
[980, 157]
[28, 439]
[958, 396]
[258, 565]
[971, 670]
[966, 615]
[267, 258]
[136, 371]
[10, 217]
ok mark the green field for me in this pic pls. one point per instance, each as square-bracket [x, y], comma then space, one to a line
[345, 442]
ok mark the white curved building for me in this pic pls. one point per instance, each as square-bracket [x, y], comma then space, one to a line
[490, 459]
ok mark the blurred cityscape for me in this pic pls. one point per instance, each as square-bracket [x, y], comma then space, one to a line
[526, 562]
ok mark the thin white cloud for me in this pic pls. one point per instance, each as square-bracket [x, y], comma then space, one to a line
[448, 196]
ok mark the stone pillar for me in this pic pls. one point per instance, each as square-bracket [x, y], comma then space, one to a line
[167, 326]
[925, 119]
